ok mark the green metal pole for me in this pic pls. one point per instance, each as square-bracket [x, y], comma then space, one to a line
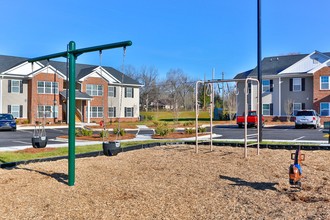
[72, 110]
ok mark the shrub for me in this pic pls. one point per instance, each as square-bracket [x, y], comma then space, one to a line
[188, 123]
[189, 130]
[118, 131]
[162, 131]
[201, 129]
[83, 132]
[104, 133]
[156, 123]
[25, 121]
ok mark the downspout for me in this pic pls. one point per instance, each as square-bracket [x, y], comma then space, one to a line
[1, 92]
[279, 97]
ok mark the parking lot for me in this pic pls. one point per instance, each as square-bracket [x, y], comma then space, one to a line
[286, 133]
[227, 132]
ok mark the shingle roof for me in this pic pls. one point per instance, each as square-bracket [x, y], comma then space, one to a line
[273, 65]
[8, 62]
[82, 70]
[79, 95]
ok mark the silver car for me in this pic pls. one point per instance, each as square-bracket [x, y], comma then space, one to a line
[307, 118]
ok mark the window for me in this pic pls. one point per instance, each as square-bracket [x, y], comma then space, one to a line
[112, 112]
[129, 93]
[128, 112]
[296, 107]
[267, 109]
[96, 112]
[296, 84]
[47, 111]
[45, 87]
[94, 90]
[324, 82]
[15, 86]
[16, 110]
[267, 86]
[325, 108]
[111, 91]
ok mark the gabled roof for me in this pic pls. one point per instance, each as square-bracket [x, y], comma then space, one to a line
[272, 66]
[8, 62]
[82, 70]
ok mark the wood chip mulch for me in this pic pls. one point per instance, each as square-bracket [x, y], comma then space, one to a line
[170, 182]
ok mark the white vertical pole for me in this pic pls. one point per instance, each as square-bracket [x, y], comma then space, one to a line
[245, 117]
[88, 111]
[197, 113]
[1, 92]
[279, 97]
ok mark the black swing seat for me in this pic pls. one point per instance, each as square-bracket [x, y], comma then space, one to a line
[111, 148]
[39, 141]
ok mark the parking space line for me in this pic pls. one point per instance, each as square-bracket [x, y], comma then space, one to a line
[299, 138]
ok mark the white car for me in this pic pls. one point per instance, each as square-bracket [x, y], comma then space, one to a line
[307, 118]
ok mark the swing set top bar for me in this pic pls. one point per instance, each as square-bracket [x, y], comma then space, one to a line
[224, 80]
[78, 52]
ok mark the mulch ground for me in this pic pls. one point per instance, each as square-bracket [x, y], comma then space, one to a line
[170, 182]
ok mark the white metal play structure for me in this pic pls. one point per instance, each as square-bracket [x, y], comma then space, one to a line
[210, 92]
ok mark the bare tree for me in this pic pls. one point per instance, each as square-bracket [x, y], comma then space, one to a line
[146, 76]
[288, 108]
[230, 100]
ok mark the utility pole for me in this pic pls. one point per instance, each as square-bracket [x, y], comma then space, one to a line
[259, 70]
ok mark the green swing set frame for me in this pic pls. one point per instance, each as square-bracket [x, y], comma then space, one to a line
[71, 54]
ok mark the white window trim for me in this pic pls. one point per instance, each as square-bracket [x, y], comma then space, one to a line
[131, 110]
[328, 83]
[296, 103]
[112, 91]
[268, 90]
[299, 84]
[268, 108]
[113, 112]
[131, 92]
[12, 86]
[328, 108]
[94, 88]
[99, 111]
[52, 87]
[52, 114]
[11, 110]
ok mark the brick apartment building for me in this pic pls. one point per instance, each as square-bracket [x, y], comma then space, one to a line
[38, 91]
[290, 83]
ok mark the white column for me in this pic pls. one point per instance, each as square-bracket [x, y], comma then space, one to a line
[88, 111]
[67, 110]
[279, 97]
[1, 92]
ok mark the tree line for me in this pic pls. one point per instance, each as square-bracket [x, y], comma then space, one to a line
[176, 91]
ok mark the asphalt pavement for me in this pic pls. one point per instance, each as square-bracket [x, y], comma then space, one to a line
[21, 139]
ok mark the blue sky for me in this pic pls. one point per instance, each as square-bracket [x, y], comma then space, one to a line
[194, 35]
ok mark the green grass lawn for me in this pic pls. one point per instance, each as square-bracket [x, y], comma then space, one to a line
[183, 116]
[12, 156]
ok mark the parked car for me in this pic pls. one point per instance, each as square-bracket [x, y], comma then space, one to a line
[7, 122]
[252, 120]
[307, 118]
